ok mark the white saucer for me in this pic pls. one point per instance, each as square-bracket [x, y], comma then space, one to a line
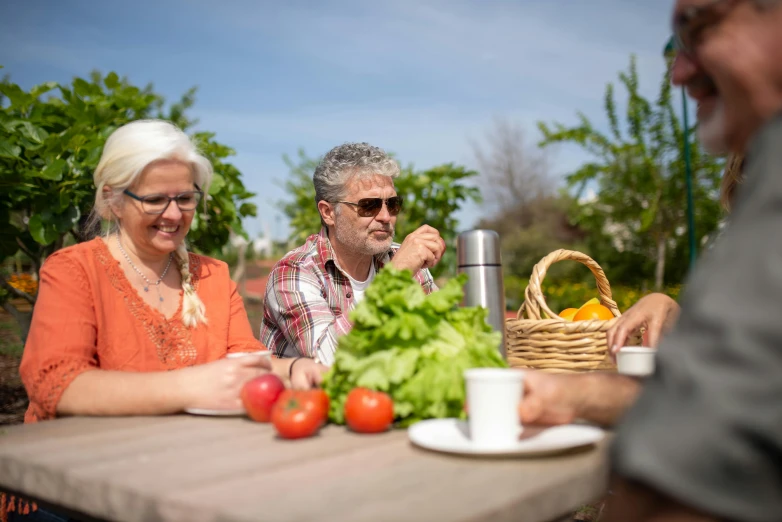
[453, 436]
[216, 413]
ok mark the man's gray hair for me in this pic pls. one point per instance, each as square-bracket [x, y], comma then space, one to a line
[345, 161]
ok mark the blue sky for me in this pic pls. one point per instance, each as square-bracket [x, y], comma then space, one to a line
[421, 78]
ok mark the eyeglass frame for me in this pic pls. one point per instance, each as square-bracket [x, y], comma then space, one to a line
[143, 199]
[715, 12]
[380, 208]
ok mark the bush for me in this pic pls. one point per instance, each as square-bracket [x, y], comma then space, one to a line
[560, 295]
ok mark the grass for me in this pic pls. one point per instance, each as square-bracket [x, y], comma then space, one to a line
[589, 513]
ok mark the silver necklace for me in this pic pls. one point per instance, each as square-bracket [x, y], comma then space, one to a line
[156, 284]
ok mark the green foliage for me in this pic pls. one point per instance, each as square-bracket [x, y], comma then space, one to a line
[300, 208]
[51, 139]
[432, 197]
[532, 230]
[638, 219]
[413, 346]
[562, 294]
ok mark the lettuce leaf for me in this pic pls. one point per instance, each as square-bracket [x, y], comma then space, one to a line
[413, 346]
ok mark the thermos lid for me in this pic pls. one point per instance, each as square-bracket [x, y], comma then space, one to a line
[478, 247]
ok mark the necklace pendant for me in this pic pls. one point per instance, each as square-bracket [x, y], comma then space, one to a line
[161, 299]
[146, 289]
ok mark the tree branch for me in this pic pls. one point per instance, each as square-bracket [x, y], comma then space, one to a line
[29, 253]
[16, 292]
[24, 248]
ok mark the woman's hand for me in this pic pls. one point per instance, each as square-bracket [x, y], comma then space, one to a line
[218, 385]
[306, 373]
[655, 312]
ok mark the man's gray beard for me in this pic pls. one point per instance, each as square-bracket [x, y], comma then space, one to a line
[711, 132]
[352, 239]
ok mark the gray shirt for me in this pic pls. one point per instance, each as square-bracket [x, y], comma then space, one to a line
[707, 428]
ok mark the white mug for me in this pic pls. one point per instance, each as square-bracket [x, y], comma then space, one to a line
[493, 397]
[637, 361]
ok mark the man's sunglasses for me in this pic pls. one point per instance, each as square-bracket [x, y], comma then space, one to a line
[370, 207]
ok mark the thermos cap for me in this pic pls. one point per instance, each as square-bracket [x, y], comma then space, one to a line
[478, 248]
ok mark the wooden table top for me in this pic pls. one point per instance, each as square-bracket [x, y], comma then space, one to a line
[231, 469]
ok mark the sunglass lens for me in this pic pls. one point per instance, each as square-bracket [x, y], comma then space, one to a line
[394, 205]
[369, 207]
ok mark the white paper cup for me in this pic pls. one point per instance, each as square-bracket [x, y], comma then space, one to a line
[637, 361]
[493, 396]
[236, 355]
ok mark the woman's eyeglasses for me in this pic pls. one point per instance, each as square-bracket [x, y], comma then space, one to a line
[158, 203]
[370, 207]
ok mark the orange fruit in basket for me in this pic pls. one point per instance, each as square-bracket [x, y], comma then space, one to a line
[568, 313]
[593, 311]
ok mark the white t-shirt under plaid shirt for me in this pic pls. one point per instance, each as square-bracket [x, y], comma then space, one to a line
[308, 298]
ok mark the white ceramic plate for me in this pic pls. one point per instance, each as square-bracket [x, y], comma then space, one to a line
[216, 413]
[453, 436]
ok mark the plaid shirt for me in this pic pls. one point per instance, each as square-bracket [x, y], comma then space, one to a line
[308, 298]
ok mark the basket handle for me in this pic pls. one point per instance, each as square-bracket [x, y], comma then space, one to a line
[535, 301]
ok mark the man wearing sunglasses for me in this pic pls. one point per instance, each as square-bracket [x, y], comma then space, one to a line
[313, 288]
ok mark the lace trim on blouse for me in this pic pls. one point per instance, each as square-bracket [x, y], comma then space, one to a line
[171, 338]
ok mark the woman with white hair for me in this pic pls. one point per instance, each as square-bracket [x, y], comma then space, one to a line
[131, 323]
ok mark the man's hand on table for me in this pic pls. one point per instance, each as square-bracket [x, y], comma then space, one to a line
[306, 373]
[422, 248]
[549, 399]
[599, 398]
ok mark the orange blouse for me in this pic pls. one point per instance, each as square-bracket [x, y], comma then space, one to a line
[88, 316]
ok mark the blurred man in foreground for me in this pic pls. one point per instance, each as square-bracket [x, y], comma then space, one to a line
[703, 439]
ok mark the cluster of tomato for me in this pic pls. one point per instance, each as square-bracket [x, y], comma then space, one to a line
[296, 414]
[24, 283]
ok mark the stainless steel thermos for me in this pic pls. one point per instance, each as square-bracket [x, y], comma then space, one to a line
[478, 256]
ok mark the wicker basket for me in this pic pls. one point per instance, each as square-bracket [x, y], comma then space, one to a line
[556, 345]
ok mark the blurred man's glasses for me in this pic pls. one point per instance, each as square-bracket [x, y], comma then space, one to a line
[370, 207]
[689, 24]
[158, 203]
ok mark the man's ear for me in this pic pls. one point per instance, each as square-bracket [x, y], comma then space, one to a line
[327, 212]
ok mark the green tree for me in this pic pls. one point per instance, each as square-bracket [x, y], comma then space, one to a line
[431, 197]
[638, 219]
[530, 231]
[51, 139]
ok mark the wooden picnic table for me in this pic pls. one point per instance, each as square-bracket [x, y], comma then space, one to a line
[231, 469]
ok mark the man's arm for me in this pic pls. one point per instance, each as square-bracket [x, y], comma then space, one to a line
[600, 398]
[300, 314]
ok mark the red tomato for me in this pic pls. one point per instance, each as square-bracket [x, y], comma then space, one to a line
[321, 399]
[299, 414]
[368, 411]
[260, 394]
